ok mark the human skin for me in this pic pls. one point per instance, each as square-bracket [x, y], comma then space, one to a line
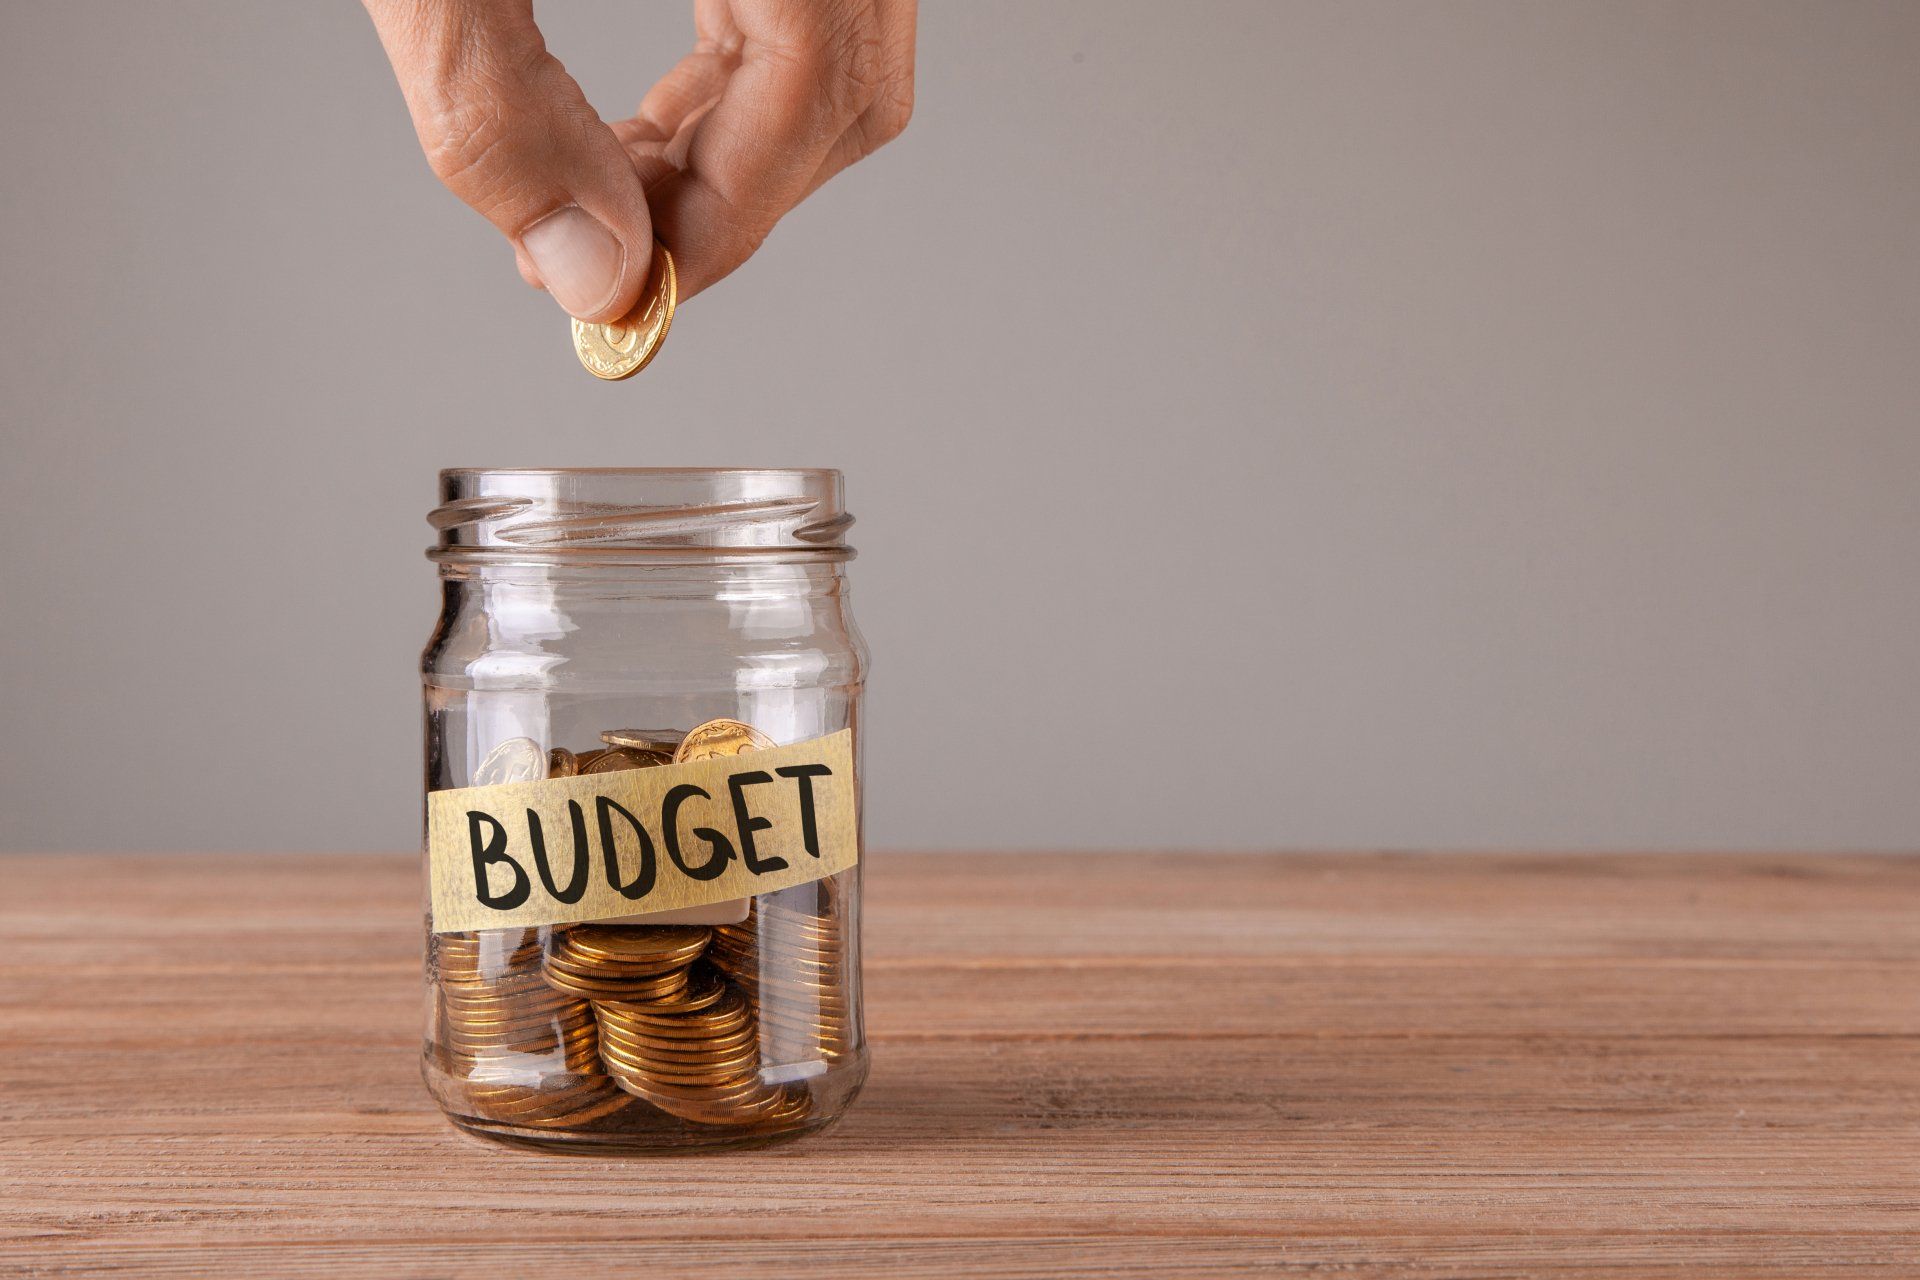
[776, 97]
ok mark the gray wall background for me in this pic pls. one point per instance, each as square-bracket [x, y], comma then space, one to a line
[1390, 424]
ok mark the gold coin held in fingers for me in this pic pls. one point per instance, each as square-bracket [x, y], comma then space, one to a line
[621, 349]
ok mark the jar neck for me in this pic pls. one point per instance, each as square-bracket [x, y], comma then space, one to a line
[710, 579]
[525, 624]
[638, 519]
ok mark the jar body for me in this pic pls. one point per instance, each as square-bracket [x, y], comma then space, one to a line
[731, 1023]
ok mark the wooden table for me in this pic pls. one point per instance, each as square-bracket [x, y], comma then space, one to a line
[1095, 1065]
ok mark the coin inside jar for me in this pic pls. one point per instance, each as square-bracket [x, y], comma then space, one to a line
[615, 759]
[719, 738]
[664, 741]
[515, 760]
[665, 946]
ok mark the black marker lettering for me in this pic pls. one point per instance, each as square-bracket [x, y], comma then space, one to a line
[749, 824]
[804, 774]
[494, 849]
[582, 856]
[642, 883]
[670, 832]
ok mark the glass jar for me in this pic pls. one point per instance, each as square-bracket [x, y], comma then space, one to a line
[643, 939]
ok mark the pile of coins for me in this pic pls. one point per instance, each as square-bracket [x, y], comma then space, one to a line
[614, 962]
[696, 1056]
[508, 1034]
[794, 966]
[601, 1017]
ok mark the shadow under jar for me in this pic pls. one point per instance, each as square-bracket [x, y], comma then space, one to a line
[591, 619]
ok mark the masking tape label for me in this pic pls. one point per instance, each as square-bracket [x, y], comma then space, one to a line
[600, 845]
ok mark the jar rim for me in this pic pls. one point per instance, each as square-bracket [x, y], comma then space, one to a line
[525, 514]
[832, 473]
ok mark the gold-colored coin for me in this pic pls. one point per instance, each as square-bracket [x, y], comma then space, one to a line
[713, 1063]
[775, 928]
[465, 958]
[581, 1051]
[686, 1033]
[668, 944]
[580, 1056]
[562, 763]
[717, 739]
[504, 1026]
[716, 1067]
[615, 759]
[499, 1036]
[473, 1036]
[657, 981]
[615, 1032]
[656, 978]
[777, 964]
[572, 1104]
[670, 1018]
[688, 1030]
[661, 740]
[523, 1066]
[737, 1102]
[820, 948]
[636, 989]
[705, 989]
[814, 991]
[784, 968]
[477, 1001]
[512, 987]
[609, 1104]
[507, 944]
[478, 1023]
[621, 349]
[484, 1022]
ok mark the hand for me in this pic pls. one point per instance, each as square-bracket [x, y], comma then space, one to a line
[776, 97]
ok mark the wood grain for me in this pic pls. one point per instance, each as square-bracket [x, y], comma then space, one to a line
[1097, 1066]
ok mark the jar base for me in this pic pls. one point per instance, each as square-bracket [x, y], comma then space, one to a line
[641, 1129]
[588, 1143]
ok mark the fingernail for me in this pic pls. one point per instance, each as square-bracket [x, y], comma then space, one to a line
[577, 257]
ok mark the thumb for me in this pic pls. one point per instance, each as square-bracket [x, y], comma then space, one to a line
[509, 132]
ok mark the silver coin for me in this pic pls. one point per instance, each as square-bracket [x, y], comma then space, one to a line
[515, 760]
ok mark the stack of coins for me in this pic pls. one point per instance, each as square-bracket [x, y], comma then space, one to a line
[670, 1031]
[614, 962]
[525, 1052]
[467, 957]
[696, 1056]
[570, 1103]
[793, 964]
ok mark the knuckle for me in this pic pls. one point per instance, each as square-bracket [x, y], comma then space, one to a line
[847, 58]
[891, 112]
[471, 125]
[466, 144]
[749, 240]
